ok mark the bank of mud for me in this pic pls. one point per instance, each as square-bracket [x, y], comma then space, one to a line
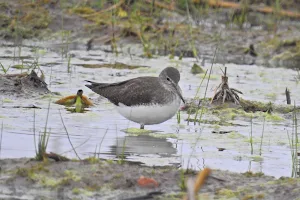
[106, 179]
[242, 35]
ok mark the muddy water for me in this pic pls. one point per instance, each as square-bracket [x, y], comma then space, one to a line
[99, 131]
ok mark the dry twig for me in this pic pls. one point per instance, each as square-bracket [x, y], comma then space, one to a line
[224, 93]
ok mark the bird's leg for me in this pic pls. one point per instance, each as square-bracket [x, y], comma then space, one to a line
[142, 126]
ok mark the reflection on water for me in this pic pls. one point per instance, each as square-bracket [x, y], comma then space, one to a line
[142, 144]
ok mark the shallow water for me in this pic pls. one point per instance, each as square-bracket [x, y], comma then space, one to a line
[99, 130]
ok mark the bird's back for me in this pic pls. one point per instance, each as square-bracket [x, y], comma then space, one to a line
[132, 92]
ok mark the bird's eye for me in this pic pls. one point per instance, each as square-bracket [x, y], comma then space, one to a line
[168, 79]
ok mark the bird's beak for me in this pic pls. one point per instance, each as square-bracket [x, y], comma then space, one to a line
[178, 92]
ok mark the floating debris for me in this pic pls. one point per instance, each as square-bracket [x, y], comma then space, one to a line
[147, 182]
[79, 100]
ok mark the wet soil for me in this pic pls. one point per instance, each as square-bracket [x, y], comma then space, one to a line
[107, 179]
[23, 85]
[242, 38]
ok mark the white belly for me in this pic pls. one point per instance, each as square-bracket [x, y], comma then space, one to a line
[148, 115]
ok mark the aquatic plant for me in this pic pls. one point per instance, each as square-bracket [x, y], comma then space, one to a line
[293, 143]
[195, 97]
[113, 39]
[206, 88]
[178, 117]
[101, 143]
[68, 136]
[1, 138]
[181, 183]
[262, 137]
[43, 138]
[239, 16]
[251, 135]
[5, 70]
[69, 63]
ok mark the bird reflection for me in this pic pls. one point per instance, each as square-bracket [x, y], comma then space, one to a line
[143, 144]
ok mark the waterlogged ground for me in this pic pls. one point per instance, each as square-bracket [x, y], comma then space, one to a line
[100, 130]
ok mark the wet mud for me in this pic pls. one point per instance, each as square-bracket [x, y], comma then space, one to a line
[100, 179]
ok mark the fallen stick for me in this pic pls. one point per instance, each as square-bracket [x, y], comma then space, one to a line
[255, 8]
[171, 6]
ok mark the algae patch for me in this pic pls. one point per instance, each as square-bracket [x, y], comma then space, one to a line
[226, 193]
[156, 134]
[136, 131]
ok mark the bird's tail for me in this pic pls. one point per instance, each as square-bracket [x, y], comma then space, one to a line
[94, 86]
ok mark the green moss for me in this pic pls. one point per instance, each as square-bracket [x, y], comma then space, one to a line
[46, 96]
[260, 196]
[273, 117]
[40, 174]
[118, 176]
[20, 67]
[136, 131]
[83, 10]
[4, 20]
[252, 140]
[5, 100]
[55, 182]
[39, 19]
[251, 174]
[216, 127]
[196, 69]
[261, 74]
[109, 161]
[87, 193]
[226, 193]
[257, 158]
[24, 172]
[228, 115]
[163, 135]
[273, 43]
[288, 180]
[31, 171]
[286, 59]
[92, 160]
[248, 196]
[76, 191]
[48, 181]
[235, 135]
[272, 96]
[212, 77]
[72, 175]
[254, 106]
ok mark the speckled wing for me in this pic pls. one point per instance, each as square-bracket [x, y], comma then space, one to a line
[131, 92]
